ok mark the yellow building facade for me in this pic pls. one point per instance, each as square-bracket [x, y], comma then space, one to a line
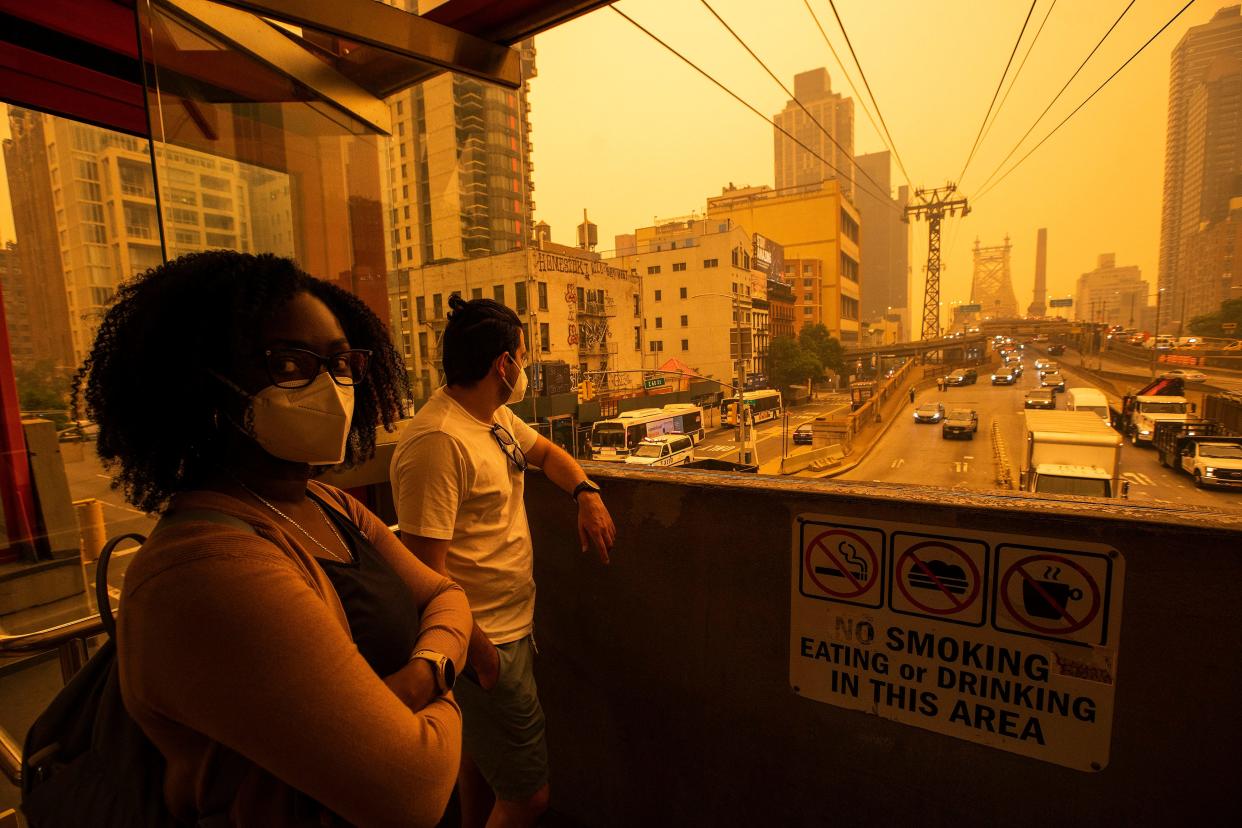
[814, 221]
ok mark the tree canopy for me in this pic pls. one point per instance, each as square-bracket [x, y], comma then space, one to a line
[816, 340]
[790, 364]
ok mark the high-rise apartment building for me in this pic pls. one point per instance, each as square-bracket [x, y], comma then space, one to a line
[85, 217]
[1203, 154]
[459, 166]
[1111, 294]
[16, 305]
[34, 217]
[835, 113]
[884, 249]
[814, 222]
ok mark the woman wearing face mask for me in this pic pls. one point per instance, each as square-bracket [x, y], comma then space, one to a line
[275, 637]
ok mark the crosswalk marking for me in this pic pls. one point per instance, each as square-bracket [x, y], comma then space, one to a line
[1138, 479]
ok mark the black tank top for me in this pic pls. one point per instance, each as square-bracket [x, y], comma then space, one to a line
[383, 615]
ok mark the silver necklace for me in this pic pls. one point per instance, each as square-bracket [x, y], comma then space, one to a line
[309, 536]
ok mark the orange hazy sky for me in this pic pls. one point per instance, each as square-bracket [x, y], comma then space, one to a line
[625, 129]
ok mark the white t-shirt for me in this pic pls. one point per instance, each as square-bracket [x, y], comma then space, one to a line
[452, 481]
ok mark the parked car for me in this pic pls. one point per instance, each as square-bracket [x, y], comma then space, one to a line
[1005, 376]
[668, 450]
[960, 422]
[803, 435]
[1052, 379]
[929, 413]
[1185, 374]
[78, 431]
[1040, 398]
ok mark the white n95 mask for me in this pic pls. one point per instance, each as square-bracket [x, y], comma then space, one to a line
[517, 391]
[302, 425]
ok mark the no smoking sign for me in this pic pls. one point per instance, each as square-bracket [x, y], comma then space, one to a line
[842, 563]
[939, 577]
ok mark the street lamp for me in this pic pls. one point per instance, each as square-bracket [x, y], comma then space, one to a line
[743, 452]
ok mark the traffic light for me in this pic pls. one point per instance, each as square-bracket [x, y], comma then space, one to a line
[586, 390]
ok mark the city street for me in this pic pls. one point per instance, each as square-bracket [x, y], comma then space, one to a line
[722, 444]
[914, 453]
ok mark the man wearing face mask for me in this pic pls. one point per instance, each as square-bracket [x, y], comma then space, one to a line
[458, 480]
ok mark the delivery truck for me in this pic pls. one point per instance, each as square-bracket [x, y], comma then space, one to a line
[1073, 453]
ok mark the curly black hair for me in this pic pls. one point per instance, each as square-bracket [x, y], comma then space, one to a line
[147, 382]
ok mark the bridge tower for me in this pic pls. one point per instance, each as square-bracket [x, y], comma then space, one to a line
[992, 288]
[933, 205]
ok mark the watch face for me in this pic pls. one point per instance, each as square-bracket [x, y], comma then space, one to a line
[450, 674]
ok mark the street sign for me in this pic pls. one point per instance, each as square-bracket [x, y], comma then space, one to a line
[1061, 303]
[654, 382]
[975, 308]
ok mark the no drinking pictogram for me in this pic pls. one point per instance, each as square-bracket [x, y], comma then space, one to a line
[842, 563]
[939, 577]
[1054, 594]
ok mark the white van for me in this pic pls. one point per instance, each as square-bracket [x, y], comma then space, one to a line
[668, 450]
[1087, 399]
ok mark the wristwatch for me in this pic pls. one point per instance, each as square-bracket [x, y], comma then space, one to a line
[441, 667]
[584, 486]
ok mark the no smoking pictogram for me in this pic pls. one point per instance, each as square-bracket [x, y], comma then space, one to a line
[941, 578]
[842, 563]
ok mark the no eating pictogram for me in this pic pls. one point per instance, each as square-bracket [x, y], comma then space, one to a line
[1053, 594]
[939, 577]
[842, 563]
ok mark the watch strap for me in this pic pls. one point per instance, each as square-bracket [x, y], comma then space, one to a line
[441, 668]
[584, 486]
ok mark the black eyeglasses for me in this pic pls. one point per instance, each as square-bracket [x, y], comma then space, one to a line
[510, 447]
[297, 368]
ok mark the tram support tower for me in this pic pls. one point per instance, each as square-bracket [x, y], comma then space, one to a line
[934, 205]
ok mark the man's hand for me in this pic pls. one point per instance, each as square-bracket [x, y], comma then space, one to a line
[485, 659]
[595, 526]
[414, 684]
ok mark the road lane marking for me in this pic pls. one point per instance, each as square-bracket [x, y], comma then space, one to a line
[898, 463]
[1138, 479]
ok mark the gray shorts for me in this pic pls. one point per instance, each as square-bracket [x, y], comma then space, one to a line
[503, 728]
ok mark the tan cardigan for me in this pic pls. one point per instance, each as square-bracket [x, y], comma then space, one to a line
[238, 640]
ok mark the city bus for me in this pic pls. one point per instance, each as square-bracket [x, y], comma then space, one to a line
[763, 405]
[615, 439]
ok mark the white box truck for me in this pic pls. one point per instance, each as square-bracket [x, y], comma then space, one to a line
[1088, 399]
[1073, 453]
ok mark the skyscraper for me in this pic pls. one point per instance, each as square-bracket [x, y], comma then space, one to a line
[1203, 153]
[884, 247]
[459, 175]
[835, 113]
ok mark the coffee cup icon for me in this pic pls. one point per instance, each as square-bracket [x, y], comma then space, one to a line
[1039, 597]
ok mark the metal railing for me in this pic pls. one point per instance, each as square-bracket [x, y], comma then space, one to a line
[68, 640]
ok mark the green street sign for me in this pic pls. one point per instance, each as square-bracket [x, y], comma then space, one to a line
[655, 382]
[1060, 303]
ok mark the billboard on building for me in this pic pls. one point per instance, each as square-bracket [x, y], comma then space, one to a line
[769, 257]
